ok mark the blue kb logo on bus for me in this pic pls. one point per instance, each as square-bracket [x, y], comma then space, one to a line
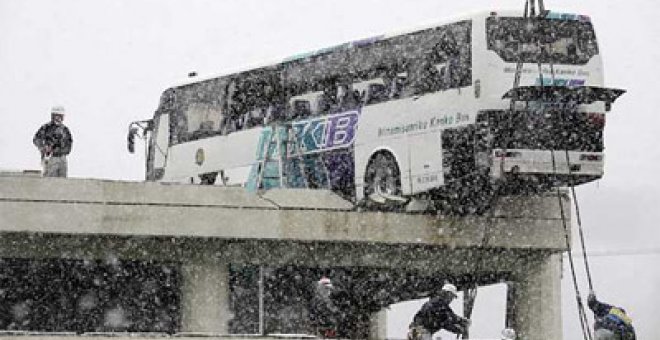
[326, 133]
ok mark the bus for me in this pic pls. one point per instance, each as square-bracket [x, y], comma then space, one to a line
[441, 112]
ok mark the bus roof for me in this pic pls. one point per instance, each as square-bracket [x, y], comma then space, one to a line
[373, 39]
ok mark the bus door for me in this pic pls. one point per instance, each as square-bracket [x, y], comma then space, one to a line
[158, 147]
[425, 151]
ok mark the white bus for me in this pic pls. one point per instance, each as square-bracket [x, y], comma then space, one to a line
[431, 112]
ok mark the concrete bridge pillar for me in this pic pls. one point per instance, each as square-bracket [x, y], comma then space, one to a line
[205, 297]
[378, 325]
[534, 301]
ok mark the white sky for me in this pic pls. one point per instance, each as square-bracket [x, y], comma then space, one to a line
[107, 61]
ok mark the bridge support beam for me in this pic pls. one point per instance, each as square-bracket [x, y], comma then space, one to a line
[534, 300]
[205, 297]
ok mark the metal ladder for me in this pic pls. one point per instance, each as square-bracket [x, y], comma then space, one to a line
[280, 156]
[271, 151]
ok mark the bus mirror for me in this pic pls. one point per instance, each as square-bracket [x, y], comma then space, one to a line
[131, 139]
[608, 106]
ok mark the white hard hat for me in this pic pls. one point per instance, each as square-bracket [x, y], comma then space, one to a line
[448, 287]
[508, 334]
[57, 110]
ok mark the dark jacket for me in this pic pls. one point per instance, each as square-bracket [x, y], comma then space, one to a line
[436, 314]
[55, 136]
[323, 312]
[611, 318]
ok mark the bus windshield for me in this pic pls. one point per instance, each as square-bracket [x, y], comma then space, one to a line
[534, 40]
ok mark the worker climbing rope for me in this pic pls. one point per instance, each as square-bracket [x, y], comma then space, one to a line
[612, 323]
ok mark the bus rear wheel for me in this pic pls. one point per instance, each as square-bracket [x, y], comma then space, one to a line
[383, 181]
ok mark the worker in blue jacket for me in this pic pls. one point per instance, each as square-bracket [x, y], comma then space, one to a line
[611, 323]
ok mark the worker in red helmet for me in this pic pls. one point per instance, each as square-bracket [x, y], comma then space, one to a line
[323, 313]
[54, 142]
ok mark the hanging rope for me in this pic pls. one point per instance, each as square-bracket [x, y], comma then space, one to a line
[472, 291]
[584, 322]
[579, 223]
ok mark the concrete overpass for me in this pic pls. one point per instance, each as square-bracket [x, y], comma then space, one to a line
[207, 232]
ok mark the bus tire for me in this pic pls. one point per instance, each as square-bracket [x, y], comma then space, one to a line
[382, 176]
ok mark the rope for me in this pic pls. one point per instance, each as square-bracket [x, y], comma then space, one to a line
[472, 292]
[484, 243]
[579, 223]
[584, 323]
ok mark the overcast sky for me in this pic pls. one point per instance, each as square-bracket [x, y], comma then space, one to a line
[107, 62]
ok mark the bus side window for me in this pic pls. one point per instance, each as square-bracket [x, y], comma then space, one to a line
[179, 128]
[375, 93]
[372, 90]
[300, 109]
[233, 120]
[424, 77]
[204, 119]
[450, 57]
[231, 107]
[348, 98]
[276, 113]
[254, 118]
[396, 85]
[327, 101]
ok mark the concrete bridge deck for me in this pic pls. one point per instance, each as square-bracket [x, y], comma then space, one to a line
[206, 228]
[98, 207]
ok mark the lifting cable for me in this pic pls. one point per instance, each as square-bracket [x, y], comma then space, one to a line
[579, 223]
[584, 322]
[471, 293]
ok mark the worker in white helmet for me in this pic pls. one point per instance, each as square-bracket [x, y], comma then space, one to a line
[54, 142]
[436, 315]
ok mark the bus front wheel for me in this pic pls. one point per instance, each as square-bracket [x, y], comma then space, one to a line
[383, 181]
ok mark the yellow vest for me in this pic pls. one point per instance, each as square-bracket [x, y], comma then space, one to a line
[621, 315]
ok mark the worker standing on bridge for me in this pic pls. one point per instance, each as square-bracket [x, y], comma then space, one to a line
[611, 323]
[436, 314]
[54, 141]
